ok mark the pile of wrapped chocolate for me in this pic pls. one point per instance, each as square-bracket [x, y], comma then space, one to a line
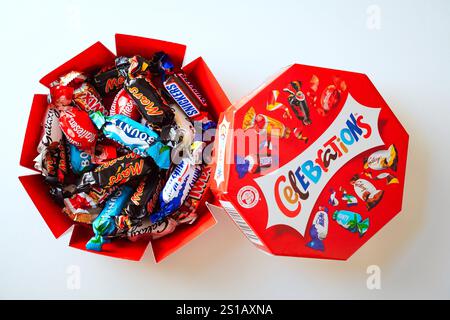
[122, 148]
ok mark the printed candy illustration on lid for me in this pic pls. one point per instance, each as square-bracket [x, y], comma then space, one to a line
[311, 164]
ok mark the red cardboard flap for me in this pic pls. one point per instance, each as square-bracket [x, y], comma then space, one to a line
[38, 191]
[184, 234]
[33, 131]
[91, 59]
[117, 248]
[200, 74]
[129, 46]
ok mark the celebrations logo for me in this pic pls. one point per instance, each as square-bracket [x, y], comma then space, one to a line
[292, 190]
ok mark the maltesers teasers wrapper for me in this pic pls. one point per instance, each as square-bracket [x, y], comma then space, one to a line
[299, 152]
[78, 128]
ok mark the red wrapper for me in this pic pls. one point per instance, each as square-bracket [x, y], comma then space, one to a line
[125, 105]
[88, 99]
[78, 128]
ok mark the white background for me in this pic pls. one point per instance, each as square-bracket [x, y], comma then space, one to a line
[243, 42]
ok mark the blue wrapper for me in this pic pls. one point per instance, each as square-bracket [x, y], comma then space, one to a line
[319, 230]
[80, 161]
[131, 134]
[315, 242]
[104, 225]
[351, 221]
[177, 188]
[242, 166]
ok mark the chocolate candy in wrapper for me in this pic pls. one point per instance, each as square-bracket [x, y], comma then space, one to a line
[62, 90]
[86, 216]
[78, 128]
[90, 199]
[104, 152]
[177, 188]
[198, 190]
[134, 136]
[47, 162]
[60, 96]
[62, 171]
[109, 80]
[161, 64]
[382, 159]
[73, 79]
[197, 195]
[185, 94]
[104, 225]
[123, 104]
[88, 99]
[51, 131]
[150, 230]
[138, 66]
[367, 192]
[185, 217]
[150, 103]
[351, 221]
[144, 198]
[80, 161]
[52, 162]
[182, 134]
[318, 230]
[117, 172]
[84, 207]
[153, 231]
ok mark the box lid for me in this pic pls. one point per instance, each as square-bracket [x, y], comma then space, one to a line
[312, 163]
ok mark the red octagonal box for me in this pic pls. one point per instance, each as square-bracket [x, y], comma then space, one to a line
[89, 62]
[311, 164]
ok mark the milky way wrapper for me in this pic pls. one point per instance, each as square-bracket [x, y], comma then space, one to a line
[307, 143]
[177, 188]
